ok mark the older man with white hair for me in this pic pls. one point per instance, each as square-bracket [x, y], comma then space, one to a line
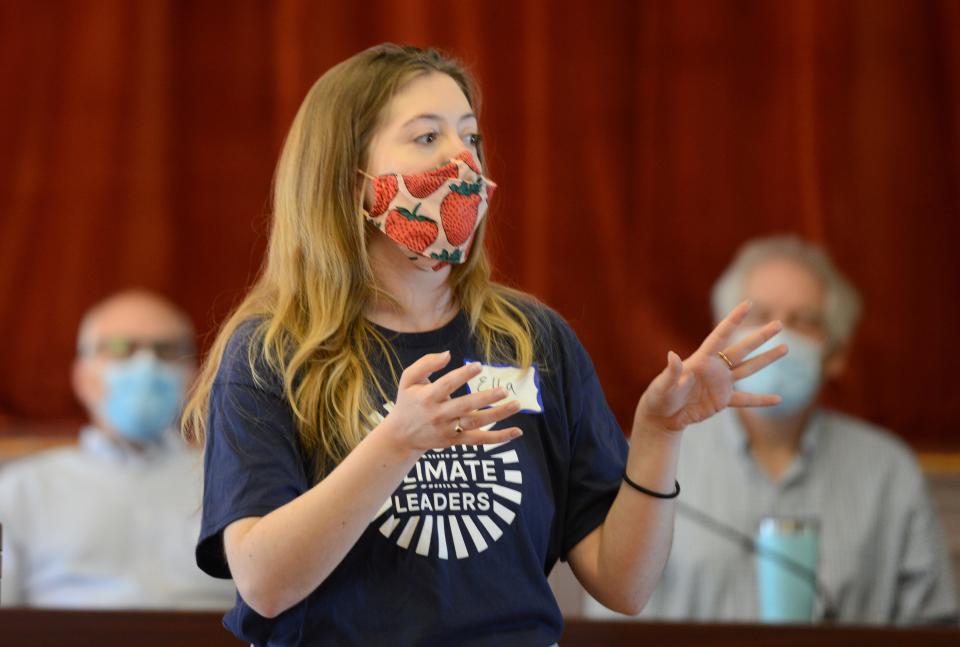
[112, 521]
[882, 555]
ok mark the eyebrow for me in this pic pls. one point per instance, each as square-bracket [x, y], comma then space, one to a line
[434, 117]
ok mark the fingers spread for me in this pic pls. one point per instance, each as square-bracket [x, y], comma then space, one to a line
[669, 376]
[762, 360]
[753, 341]
[492, 437]
[485, 417]
[720, 336]
[675, 364]
[461, 406]
[743, 399]
[423, 368]
[453, 380]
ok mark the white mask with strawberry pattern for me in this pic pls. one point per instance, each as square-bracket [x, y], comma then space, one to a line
[434, 214]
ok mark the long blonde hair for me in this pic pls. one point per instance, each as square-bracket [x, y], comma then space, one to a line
[309, 299]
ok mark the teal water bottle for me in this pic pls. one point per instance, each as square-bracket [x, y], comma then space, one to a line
[787, 553]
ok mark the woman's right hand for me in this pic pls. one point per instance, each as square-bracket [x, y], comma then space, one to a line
[426, 417]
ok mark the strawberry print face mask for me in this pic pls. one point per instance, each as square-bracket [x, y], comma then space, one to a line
[433, 214]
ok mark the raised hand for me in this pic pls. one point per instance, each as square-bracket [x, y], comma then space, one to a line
[689, 391]
[426, 417]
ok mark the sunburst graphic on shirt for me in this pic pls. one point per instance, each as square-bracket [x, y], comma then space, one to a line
[455, 502]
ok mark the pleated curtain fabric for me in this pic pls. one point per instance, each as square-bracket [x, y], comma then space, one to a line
[636, 145]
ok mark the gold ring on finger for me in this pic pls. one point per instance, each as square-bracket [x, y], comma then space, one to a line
[726, 359]
[458, 428]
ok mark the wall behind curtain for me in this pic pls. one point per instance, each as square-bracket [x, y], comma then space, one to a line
[636, 145]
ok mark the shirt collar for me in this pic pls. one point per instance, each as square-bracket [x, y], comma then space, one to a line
[812, 435]
[732, 430]
[98, 443]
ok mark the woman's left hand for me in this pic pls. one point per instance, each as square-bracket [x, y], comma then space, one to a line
[689, 391]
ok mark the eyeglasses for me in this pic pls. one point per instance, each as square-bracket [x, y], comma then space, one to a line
[808, 322]
[170, 350]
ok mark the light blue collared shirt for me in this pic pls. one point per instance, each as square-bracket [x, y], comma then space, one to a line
[98, 525]
[883, 558]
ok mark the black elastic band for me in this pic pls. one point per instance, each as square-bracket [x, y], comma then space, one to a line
[658, 495]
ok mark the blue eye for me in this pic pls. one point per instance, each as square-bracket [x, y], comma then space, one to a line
[474, 139]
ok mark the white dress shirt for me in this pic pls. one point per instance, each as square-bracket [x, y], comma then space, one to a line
[99, 525]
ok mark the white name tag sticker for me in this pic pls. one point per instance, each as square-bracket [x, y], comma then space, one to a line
[522, 386]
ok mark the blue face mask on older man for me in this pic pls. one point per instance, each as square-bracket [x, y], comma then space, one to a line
[143, 397]
[796, 377]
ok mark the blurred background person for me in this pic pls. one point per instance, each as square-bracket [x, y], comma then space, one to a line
[111, 521]
[698, 126]
[882, 555]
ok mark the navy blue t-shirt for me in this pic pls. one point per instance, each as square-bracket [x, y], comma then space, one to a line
[460, 554]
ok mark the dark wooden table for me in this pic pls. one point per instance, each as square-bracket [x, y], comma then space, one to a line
[35, 628]
[614, 634]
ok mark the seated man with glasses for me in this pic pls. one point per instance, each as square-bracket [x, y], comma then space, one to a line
[882, 557]
[112, 521]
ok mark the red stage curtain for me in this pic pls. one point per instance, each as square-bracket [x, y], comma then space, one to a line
[636, 145]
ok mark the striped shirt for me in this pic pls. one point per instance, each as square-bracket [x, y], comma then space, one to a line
[883, 558]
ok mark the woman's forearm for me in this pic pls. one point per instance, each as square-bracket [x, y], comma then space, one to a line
[277, 560]
[635, 538]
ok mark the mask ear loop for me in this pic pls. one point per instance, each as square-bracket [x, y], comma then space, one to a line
[364, 212]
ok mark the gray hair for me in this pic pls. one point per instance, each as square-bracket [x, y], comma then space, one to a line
[841, 303]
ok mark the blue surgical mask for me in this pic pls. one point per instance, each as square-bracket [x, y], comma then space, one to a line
[143, 396]
[794, 377]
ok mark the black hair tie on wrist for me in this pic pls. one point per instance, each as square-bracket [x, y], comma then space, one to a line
[658, 495]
